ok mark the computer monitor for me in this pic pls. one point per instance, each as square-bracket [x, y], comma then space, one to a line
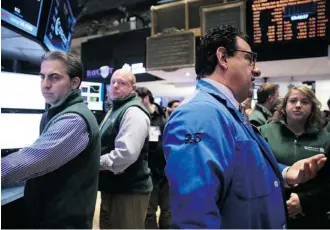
[60, 26]
[24, 15]
[93, 94]
[158, 100]
[18, 130]
[20, 91]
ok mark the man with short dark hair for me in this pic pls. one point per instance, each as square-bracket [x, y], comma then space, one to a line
[61, 167]
[159, 194]
[267, 100]
[171, 106]
[222, 173]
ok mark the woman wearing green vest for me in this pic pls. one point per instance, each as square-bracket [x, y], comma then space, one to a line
[294, 135]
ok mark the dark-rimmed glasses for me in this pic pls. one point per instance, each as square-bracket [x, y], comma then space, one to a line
[251, 57]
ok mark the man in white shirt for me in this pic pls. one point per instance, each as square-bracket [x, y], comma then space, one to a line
[125, 181]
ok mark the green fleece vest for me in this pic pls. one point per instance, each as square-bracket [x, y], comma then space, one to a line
[136, 178]
[65, 198]
[259, 116]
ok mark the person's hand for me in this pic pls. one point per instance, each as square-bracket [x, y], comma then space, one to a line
[305, 169]
[294, 206]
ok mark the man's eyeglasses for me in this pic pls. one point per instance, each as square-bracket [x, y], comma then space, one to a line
[250, 56]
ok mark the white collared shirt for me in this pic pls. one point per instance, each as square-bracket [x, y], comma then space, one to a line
[225, 90]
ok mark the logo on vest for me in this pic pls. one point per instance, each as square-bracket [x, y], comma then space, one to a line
[314, 149]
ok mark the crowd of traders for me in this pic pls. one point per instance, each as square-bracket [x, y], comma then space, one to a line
[204, 161]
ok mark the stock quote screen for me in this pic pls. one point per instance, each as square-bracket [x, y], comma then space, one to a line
[24, 15]
[285, 29]
[60, 26]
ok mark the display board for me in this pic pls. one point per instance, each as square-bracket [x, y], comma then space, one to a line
[25, 15]
[284, 29]
[21, 91]
[60, 26]
[18, 130]
[93, 94]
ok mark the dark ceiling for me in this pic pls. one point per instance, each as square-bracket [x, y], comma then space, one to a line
[95, 8]
[16, 46]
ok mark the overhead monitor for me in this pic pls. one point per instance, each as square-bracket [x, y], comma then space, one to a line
[18, 130]
[25, 15]
[286, 29]
[60, 26]
[158, 100]
[93, 94]
[21, 91]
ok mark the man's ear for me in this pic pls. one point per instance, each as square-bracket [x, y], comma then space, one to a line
[134, 87]
[222, 57]
[75, 82]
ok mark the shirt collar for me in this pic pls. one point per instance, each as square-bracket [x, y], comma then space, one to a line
[225, 90]
[265, 110]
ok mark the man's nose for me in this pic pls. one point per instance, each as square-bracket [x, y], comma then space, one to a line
[115, 85]
[256, 72]
[45, 83]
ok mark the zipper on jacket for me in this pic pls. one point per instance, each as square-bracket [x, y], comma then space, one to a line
[295, 149]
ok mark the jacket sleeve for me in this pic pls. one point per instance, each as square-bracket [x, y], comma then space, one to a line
[317, 200]
[198, 146]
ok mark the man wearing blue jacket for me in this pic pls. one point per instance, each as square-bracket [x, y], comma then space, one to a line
[222, 173]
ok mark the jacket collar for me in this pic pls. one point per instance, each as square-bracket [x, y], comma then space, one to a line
[119, 102]
[287, 130]
[72, 98]
[264, 111]
[215, 92]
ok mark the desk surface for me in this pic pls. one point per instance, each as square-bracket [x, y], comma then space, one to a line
[11, 193]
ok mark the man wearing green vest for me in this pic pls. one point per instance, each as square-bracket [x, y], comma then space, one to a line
[61, 167]
[124, 181]
[267, 100]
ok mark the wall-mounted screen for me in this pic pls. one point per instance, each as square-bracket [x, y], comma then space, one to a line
[24, 15]
[18, 130]
[20, 91]
[158, 100]
[93, 94]
[285, 29]
[60, 26]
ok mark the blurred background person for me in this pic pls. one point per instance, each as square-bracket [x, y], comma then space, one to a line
[171, 106]
[160, 193]
[267, 99]
[326, 114]
[296, 134]
[247, 105]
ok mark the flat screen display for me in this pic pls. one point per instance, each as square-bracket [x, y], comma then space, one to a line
[23, 14]
[21, 91]
[93, 94]
[18, 130]
[60, 26]
[158, 100]
[285, 29]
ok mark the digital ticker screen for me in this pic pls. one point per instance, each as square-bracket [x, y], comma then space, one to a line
[24, 15]
[283, 25]
[60, 26]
